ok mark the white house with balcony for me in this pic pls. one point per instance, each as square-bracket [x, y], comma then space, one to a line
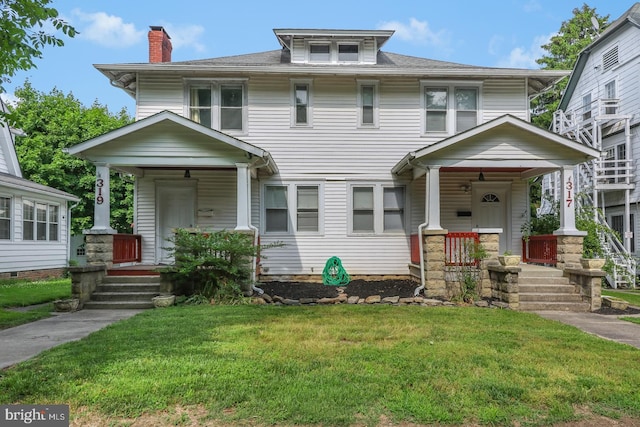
[600, 108]
[332, 146]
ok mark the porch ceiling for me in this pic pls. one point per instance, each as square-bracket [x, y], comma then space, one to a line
[167, 140]
[506, 143]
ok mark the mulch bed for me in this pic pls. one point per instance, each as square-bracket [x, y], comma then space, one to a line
[361, 288]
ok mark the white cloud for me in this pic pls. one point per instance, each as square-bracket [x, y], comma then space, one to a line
[185, 36]
[108, 30]
[417, 32]
[520, 57]
[495, 44]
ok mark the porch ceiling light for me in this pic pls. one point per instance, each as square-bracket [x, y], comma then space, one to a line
[187, 173]
[481, 176]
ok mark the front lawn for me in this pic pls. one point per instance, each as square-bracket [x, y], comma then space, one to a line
[333, 365]
[22, 293]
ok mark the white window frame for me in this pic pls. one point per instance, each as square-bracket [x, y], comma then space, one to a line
[349, 61]
[378, 208]
[334, 51]
[292, 208]
[450, 86]
[215, 85]
[587, 106]
[376, 103]
[309, 84]
[47, 222]
[319, 43]
[10, 216]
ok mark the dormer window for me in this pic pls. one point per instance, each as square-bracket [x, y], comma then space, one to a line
[348, 52]
[320, 53]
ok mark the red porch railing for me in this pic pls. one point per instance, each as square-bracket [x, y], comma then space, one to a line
[457, 247]
[127, 248]
[542, 249]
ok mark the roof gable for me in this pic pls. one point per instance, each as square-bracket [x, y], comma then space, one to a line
[169, 139]
[506, 142]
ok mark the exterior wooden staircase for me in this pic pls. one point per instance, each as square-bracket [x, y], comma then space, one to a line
[125, 292]
[544, 288]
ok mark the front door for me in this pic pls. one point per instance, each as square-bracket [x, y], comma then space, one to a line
[175, 207]
[490, 208]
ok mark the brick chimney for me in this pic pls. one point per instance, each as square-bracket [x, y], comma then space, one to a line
[159, 45]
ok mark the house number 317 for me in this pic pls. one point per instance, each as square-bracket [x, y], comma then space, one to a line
[569, 187]
[99, 185]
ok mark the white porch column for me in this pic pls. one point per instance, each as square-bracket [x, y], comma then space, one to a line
[102, 202]
[567, 204]
[243, 196]
[432, 198]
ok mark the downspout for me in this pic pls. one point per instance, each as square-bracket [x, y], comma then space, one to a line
[254, 260]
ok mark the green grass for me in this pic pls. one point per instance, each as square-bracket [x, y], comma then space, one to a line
[632, 319]
[336, 365]
[22, 293]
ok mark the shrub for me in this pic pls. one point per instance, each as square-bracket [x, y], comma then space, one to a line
[212, 265]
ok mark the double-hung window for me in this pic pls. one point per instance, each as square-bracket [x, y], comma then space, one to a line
[377, 209]
[610, 97]
[367, 103]
[40, 221]
[450, 108]
[301, 109]
[5, 218]
[219, 105]
[348, 52]
[586, 106]
[292, 208]
[320, 52]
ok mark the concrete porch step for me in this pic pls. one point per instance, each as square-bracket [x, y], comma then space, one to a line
[538, 297]
[131, 279]
[531, 288]
[123, 296]
[118, 304]
[129, 287]
[554, 306]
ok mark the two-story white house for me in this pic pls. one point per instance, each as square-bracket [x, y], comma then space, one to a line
[330, 145]
[34, 218]
[599, 108]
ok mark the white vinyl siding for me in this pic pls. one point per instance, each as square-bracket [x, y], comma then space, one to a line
[157, 93]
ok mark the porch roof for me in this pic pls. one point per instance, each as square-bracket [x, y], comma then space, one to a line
[168, 140]
[505, 143]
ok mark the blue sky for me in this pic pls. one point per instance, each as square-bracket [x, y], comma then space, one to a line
[503, 33]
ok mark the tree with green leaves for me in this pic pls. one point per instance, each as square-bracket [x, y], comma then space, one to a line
[23, 34]
[562, 50]
[54, 121]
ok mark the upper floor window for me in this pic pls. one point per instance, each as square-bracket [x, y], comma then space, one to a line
[610, 94]
[40, 221]
[377, 209]
[301, 109]
[319, 52]
[586, 107]
[5, 218]
[450, 108]
[348, 53]
[292, 207]
[367, 103]
[218, 105]
[302, 103]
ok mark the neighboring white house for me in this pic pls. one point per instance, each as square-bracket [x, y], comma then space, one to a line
[600, 108]
[34, 219]
[330, 145]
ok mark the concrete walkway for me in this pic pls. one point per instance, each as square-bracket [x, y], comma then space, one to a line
[26, 341]
[609, 327]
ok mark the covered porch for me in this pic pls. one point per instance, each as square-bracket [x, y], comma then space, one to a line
[477, 182]
[186, 176]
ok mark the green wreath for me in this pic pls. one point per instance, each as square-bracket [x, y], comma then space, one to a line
[334, 274]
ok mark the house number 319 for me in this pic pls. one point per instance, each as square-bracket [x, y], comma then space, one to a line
[99, 185]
